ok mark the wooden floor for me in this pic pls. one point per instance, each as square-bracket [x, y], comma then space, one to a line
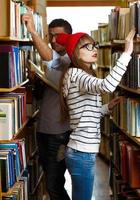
[101, 187]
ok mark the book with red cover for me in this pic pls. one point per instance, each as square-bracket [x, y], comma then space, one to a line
[124, 160]
[133, 155]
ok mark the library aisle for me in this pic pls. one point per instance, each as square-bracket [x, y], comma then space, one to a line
[101, 186]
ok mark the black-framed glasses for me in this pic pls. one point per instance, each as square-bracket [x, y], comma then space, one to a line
[18, 1]
[51, 35]
[90, 46]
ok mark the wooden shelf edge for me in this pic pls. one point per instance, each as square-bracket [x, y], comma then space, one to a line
[14, 88]
[20, 130]
[38, 182]
[86, 3]
[133, 90]
[135, 139]
[9, 38]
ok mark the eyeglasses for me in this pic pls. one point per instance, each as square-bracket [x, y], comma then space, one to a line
[90, 46]
[18, 1]
[51, 35]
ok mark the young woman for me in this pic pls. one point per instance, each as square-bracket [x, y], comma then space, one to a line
[82, 102]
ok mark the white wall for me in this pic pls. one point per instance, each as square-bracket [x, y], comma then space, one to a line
[83, 19]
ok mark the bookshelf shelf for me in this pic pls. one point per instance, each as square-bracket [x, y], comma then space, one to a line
[34, 153]
[21, 132]
[14, 88]
[118, 41]
[105, 44]
[35, 114]
[136, 91]
[15, 136]
[14, 39]
[39, 180]
[136, 140]
[9, 192]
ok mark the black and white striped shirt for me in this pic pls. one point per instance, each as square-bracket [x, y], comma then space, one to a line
[83, 94]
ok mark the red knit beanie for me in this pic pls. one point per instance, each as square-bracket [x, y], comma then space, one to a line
[69, 41]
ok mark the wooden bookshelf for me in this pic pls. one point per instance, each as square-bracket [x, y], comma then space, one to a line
[124, 124]
[25, 127]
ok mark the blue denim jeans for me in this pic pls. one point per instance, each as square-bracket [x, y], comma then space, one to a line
[81, 167]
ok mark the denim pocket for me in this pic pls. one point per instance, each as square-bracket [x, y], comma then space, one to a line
[81, 166]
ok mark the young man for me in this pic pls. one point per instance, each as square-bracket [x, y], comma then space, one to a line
[52, 134]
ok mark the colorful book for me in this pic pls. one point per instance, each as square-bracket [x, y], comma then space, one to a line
[14, 147]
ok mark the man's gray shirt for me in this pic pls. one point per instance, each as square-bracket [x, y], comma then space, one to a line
[49, 115]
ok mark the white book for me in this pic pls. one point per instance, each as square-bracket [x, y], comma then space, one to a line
[6, 120]
[14, 100]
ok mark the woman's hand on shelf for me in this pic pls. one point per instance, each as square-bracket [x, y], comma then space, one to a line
[113, 103]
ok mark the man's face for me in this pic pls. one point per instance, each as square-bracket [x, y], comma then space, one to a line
[53, 32]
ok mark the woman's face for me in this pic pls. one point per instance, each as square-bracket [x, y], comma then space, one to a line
[88, 52]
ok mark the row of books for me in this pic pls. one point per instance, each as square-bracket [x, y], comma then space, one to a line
[12, 113]
[11, 20]
[127, 115]
[105, 57]
[34, 169]
[125, 166]
[130, 163]
[12, 162]
[13, 62]
[25, 169]
[19, 190]
[131, 77]
[120, 22]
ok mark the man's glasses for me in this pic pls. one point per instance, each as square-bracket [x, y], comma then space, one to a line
[51, 35]
[90, 46]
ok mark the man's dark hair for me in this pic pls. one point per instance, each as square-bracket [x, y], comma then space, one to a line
[61, 23]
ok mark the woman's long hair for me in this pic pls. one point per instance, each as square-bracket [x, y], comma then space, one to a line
[76, 62]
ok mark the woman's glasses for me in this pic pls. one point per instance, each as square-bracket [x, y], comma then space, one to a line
[90, 46]
[17, 1]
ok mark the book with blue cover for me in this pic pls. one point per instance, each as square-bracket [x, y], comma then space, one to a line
[7, 157]
[14, 147]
